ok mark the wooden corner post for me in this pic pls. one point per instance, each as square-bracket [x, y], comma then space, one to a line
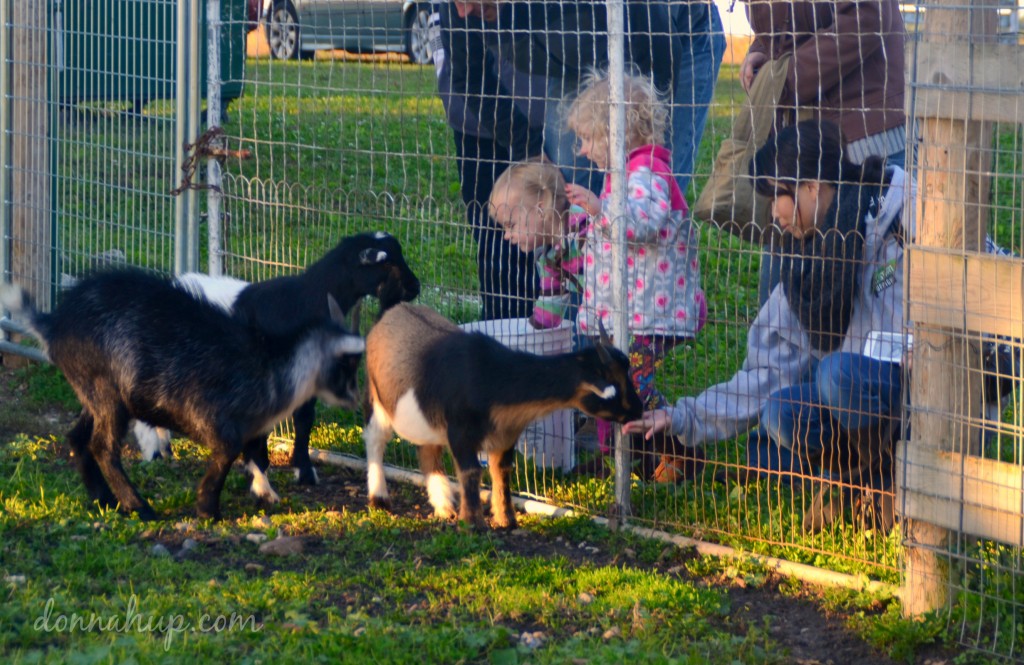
[30, 206]
[951, 209]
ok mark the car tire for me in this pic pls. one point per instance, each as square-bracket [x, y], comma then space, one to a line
[417, 35]
[283, 32]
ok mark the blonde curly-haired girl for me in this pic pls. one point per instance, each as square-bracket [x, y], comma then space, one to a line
[665, 303]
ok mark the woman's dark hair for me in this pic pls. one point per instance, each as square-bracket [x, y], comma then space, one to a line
[820, 272]
[810, 150]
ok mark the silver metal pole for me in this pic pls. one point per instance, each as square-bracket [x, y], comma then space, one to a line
[214, 177]
[616, 211]
[181, 134]
[187, 87]
[194, 100]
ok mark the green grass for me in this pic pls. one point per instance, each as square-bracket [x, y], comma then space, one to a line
[369, 587]
[339, 148]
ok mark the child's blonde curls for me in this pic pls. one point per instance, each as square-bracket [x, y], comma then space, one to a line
[646, 111]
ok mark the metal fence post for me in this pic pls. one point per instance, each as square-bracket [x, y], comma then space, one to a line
[214, 176]
[186, 226]
[616, 211]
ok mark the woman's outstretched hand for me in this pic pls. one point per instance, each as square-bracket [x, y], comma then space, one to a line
[649, 424]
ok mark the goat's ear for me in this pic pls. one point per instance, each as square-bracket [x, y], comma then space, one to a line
[603, 342]
[334, 309]
[371, 256]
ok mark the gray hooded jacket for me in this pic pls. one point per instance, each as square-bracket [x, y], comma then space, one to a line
[779, 352]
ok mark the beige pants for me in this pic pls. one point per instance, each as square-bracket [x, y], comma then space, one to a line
[728, 199]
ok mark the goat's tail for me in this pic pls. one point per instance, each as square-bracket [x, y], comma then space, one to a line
[17, 300]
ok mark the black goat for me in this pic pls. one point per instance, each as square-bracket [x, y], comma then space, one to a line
[132, 345]
[366, 264]
[436, 386]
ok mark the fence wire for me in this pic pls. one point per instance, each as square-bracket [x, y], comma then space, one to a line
[341, 117]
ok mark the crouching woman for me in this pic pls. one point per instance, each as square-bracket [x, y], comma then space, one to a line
[807, 383]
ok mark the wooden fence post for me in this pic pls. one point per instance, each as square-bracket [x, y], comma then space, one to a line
[31, 204]
[951, 212]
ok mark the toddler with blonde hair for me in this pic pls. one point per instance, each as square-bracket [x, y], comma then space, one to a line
[529, 203]
[665, 303]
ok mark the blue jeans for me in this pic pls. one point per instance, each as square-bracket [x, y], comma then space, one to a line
[699, 26]
[847, 391]
[771, 261]
[560, 141]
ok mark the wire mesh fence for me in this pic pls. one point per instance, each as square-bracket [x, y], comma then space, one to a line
[407, 130]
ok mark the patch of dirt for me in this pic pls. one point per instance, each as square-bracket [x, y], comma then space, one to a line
[807, 633]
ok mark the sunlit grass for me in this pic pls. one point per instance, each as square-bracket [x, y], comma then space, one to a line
[370, 586]
[338, 148]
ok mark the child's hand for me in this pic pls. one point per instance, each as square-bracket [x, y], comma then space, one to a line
[584, 198]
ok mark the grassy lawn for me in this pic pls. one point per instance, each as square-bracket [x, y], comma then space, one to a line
[336, 148]
[81, 586]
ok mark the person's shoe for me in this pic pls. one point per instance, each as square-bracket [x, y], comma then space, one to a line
[677, 468]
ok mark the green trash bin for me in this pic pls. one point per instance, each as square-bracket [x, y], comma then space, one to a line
[124, 50]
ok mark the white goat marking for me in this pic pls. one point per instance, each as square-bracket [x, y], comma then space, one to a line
[380, 235]
[439, 491]
[219, 291]
[412, 425]
[261, 487]
[152, 440]
[302, 380]
[375, 436]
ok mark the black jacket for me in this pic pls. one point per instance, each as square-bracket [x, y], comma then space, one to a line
[482, 92]
[564, 40]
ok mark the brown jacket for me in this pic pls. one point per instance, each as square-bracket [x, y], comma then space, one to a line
[848, 59]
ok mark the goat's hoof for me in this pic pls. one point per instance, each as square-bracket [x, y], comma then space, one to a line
[269, 498]
[445, 514]
[145, 513]
[208, 514]
[506, 524]
[475, 522]
[380, 503]
[306, 476]
[265, 503]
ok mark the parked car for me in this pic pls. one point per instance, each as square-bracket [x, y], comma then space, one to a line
[298, 28]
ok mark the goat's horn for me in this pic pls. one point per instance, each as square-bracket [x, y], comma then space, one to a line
[603, 342]
[334, 309]
[369, 257]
